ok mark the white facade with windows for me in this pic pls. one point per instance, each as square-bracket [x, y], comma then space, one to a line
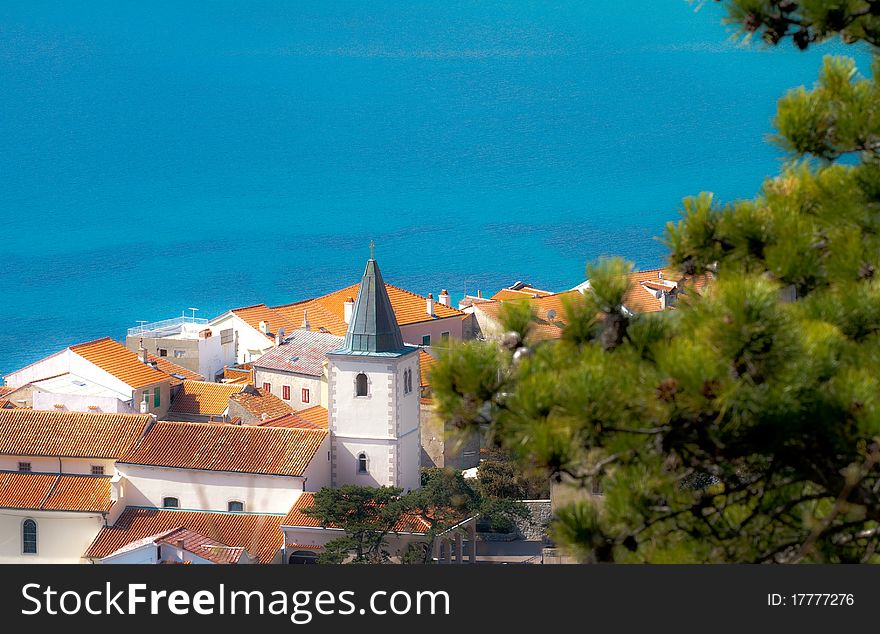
[374, 420]
[46, 537]
[205, 490]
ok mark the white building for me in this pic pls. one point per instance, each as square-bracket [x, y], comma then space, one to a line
[188, 342]
[225, 468]
[56, 470]
[97, 376]
[373, 402]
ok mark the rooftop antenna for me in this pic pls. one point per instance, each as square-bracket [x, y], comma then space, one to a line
[141, 323]
[194, 312]
[372, 250]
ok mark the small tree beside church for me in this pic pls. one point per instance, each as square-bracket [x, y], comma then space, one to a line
[366, 514]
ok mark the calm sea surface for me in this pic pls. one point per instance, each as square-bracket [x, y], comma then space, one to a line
[157, 156]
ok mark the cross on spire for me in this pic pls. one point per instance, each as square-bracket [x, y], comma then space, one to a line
[372, 250]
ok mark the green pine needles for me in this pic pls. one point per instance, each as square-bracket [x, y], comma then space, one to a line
[743, 425]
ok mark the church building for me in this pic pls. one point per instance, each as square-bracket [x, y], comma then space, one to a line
[373, 394]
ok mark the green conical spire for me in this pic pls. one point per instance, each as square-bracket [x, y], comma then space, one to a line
[373, 326]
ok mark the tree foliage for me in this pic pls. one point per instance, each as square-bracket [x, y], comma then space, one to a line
[366, 514]
[743, 426]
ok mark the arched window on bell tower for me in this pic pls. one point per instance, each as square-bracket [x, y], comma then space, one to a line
[362, 463]
[360, 383]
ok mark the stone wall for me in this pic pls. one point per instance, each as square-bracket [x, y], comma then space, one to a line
[535, 529]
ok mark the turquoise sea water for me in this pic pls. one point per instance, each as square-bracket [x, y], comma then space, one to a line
[157, 156]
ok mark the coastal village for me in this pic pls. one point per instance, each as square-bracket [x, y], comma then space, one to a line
[204, 441]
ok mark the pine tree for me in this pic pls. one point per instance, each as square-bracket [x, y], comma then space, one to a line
[742, 426]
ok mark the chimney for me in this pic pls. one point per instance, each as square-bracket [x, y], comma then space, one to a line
[264, 327]
[306, 325]
[264, 416]
[479, 293]
[142, 353]
[445, 299]
[429, 304]
[277, 339]
[348, 308]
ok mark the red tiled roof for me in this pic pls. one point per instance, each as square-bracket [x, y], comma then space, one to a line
[239, 374]
[426, 362]
[519, 292]
[302, 352]
[204, 397]
[202, 546]
[223, 447]
[117, 360]
[328, 311]
[312, 418]
[54, 492]
[27, 432]
[5, 403]
[258, 402]
[260, 535]
[316, 415]
[409, 523]
[169, 368]
[5, 389]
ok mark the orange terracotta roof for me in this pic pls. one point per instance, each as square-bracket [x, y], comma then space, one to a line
[28, 432]
[5, 389]
[253, 315]
[117, 360]
[316, 415]
[525, 292]
[260, 535]
[5, 403]
[203, 397]
[291, 421]
[549, 313]
[169, 368]
[258, 401]
[409, 523]
[222, 447]
[239, 374]
[312, 418]
[201, 546]
[637, 298]
[328, 312]
[426, 362]
[54, 492]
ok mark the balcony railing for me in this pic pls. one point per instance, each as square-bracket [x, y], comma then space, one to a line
[165, 327]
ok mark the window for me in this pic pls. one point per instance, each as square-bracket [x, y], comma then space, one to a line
[170, 503]
[147, 397]
[157, 399]
[163, 352]
[29, 537]
[407, 381]
[285, 392]
[444, 337]
[179, 353]
[24, 466]
[362, 462]
[97, 469]
[305, 395]
[361, 384]
[426, 340]
[267, 387]
[235, 506]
